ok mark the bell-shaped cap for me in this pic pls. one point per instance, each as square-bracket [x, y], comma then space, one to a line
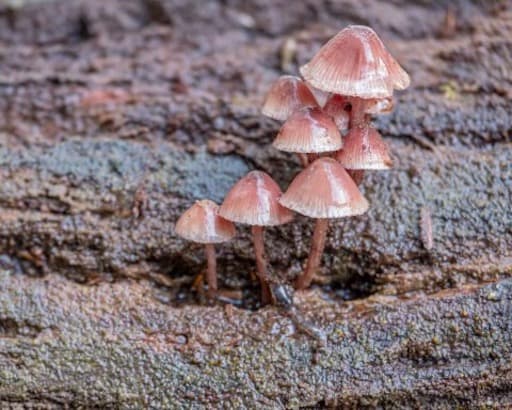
[308, 131]
[202, 223]
[254, 200]
[287, 94]
[356, 63]
[335, 108]
[364, 148]
[324, 190]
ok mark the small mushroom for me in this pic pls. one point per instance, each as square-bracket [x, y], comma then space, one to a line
[308, 131]
[363, 149]
[287, 94]
[355, 63]
[201, 223]
[323, 190]
[254, 200]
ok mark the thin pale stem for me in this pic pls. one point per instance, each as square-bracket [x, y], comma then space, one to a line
[315, 254]
[261, 263]
[211, 272]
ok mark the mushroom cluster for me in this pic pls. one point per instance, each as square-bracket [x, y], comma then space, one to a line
[334, 141]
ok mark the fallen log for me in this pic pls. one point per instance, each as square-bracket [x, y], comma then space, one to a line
[63, 344]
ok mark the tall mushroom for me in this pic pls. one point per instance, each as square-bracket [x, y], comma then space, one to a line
[287, 94]
[254, 200]
[308, 131]
[323, 190]
[356, 64]
[201, 223]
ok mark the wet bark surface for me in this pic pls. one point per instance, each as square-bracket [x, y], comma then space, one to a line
[117, 115]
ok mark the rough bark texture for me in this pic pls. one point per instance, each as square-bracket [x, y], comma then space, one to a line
[117, 114]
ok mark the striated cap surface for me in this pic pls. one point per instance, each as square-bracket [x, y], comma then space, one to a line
[287, 94]
[202, 223]
[364, 148]
[324, 190]
[254, 200]
[356, 63]
[308, 130]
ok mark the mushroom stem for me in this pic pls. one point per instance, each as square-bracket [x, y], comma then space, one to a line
[303, 160]
[358, 111]
[315, 254]
[261, 263]
[211, 273]
[357, 175]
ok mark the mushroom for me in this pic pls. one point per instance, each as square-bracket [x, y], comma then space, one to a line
[363, 149]
[201, 223]
[355, 63]
[308, 131]
[323, 190]
[287, 94]
[253, 200]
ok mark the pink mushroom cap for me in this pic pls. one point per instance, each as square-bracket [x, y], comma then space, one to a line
[324, 190]
[202, 223]
[254, 200]
[364, 148]
[308, 130]
[355, 63]
[287, 94]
